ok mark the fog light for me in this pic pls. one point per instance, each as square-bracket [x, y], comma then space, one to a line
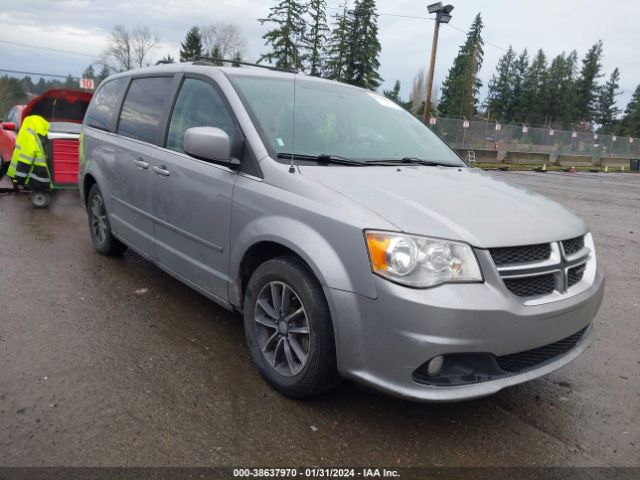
[435, 365]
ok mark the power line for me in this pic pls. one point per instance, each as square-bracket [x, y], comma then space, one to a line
[48, 49]
[36, 74]
[391, 14]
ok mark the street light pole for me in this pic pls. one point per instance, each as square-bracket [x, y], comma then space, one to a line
[442, 16]
[434, 47]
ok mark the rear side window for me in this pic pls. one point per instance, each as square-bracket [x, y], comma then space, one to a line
[143, 107]
[101, 109]
[198, 105]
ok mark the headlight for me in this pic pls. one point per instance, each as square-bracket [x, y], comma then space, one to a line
[421, 261]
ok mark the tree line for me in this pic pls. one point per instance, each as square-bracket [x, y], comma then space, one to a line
[347, 50]
[564, 92]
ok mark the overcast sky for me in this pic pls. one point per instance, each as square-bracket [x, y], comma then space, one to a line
[82, 26]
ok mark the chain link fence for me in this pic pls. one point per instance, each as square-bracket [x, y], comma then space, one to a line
[476, 135]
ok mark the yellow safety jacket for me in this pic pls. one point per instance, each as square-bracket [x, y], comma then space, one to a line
[29, 162]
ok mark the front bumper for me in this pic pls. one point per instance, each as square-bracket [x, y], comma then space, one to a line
[381, 342]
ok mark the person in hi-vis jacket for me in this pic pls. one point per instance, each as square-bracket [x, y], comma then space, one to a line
[29, 162]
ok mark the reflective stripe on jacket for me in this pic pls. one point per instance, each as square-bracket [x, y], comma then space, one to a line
[29, 162]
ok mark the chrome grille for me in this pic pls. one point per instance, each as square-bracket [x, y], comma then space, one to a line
[540, 273]
[573, 245]
[527, 254]
[531, 286]
[575, 274]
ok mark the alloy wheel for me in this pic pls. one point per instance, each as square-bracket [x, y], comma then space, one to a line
[282, 328]
[98, 219]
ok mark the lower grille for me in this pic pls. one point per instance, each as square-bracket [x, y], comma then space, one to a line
[519, 362]
[575, 274]
[531, 286]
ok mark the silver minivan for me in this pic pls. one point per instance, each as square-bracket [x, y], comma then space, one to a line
[353, 241]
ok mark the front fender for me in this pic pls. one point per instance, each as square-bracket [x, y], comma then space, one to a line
[324, 260]
[90, 156]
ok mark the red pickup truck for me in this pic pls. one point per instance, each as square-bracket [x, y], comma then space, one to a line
[64, 109]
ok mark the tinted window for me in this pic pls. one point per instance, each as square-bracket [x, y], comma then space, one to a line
[143, 107]
[198, 105]
[101, 109]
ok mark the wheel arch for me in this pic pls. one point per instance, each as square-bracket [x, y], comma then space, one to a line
[87, 182]
[270, 236]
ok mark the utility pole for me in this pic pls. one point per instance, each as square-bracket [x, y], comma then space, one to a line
[442, 16]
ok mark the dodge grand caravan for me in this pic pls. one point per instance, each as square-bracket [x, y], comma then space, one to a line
[355, 243]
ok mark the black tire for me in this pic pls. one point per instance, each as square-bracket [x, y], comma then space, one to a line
[103, 241]
[39, 199]
[319, 373]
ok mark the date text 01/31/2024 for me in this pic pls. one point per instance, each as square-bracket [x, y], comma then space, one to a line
[315, 473]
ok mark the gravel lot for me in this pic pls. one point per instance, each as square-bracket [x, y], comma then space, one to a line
[113, 362]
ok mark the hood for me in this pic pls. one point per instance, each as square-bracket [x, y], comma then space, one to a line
[59, 105]
[454, 203]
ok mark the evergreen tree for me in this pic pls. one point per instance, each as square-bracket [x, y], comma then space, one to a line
[394, 94]
[192, 45]
[462, 85]
[166, 59]
[500, 94]
[335, 67]
[516, 110]
[89, 72]
[534, 91]
[560, 101]
[41, 86]
[587, 84]
[216, 52]
[607, 110]
[363, 47]
[316, 38]
[11, 93]
[70, 82]
[27, 84]
[630, 124]
[237, 57]
[104, 73]
[286, 37]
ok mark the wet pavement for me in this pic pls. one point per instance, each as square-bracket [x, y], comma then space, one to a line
[113, 362]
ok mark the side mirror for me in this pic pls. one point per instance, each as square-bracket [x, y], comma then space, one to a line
[209, 143]
[8, 126]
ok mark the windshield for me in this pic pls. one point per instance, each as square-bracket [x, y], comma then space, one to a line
[339, 120]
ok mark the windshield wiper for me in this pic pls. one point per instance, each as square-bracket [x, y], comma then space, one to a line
[322, 158]
[414, 161]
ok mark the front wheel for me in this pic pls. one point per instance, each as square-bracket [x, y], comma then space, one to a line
[289, 330]
[103, 240]
[39, 199]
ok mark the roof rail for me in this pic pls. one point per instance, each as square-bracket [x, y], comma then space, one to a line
[203, 59]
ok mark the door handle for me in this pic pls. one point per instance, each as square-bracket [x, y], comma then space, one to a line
[141, 163]
[162, 170]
